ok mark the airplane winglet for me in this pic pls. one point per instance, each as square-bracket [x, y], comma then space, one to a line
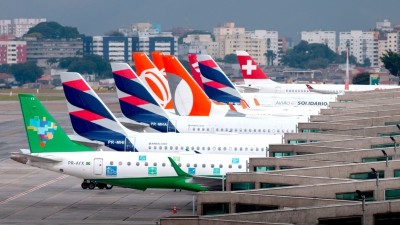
[177, 169]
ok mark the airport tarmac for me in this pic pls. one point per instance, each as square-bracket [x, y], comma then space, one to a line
[34, 196]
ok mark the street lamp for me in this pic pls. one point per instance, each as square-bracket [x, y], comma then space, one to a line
[362, 197]
[386, 156]
[395, 144]
[376, 175]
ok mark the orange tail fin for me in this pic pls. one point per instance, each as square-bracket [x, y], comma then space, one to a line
[184, 84]
[154, 79]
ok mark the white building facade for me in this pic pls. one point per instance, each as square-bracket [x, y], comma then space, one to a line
[363, 45]
[257, 43]
[18, 27]
[320, 37]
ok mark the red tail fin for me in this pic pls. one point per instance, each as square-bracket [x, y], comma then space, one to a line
[194, 66]
[249, 68]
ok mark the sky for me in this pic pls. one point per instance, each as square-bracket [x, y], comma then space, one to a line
[288, 17]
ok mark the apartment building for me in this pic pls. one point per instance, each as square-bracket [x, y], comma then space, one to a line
[320, 37]
[362, 44]
[120, 49]
[262, 45]
[199, 44]
[38, 49]
[388, 43]
[18, 27]
[12, 52]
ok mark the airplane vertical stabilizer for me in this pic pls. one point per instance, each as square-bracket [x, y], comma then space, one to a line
[136, 101]
[216, 83]
[43, 132]
[250, 70]
[89, 116]
[155, 79]
[189, 98]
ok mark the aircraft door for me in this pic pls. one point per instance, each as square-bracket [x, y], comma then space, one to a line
[129, 146]
[98, 166]
[171, 127]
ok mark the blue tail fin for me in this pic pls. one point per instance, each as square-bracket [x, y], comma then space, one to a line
[90, 117]
[216, 84]
[136, 101]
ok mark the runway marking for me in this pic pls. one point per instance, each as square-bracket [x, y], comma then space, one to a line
[33, 189]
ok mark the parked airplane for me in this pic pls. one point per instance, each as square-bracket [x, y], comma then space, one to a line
[51, 149]
[257, 81]
[218, 87]
[92, 120]
[138, 104]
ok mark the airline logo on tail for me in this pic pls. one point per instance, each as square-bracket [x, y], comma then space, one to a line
[249, 68]
[45, 129]
[153, 78]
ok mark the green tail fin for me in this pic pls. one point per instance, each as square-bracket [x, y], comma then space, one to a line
[43, 132]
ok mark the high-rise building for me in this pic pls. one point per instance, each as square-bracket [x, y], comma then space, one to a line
[388, 43]
[18, 27]
[111, 48]
[320, 37]
[151, 38]
[363, 45]
[262, 45]
[384, 26]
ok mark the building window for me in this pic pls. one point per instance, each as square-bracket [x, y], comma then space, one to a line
[242, 186]
[392, 194]
[369, 196]
[366, 175]
[263, 168]
[281, 154]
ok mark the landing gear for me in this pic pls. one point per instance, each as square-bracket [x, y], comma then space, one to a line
[88, 184]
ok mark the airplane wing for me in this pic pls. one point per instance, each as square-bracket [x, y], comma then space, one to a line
[247, 89]
[211, 183]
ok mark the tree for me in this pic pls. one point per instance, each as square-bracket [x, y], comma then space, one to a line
[361, 78]
[309, 56]
[114, 33]
[270, 57]
[51, 61]
[186, 64]
[367, 62]
[53, 30]
[94, 64]
[391, 60]
[26, 72]
[230, 58]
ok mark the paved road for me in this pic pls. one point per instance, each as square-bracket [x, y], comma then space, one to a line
[33, 196]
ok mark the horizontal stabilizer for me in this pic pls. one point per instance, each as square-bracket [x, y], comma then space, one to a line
[133, 125]
[84, 141]
[23, 158]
